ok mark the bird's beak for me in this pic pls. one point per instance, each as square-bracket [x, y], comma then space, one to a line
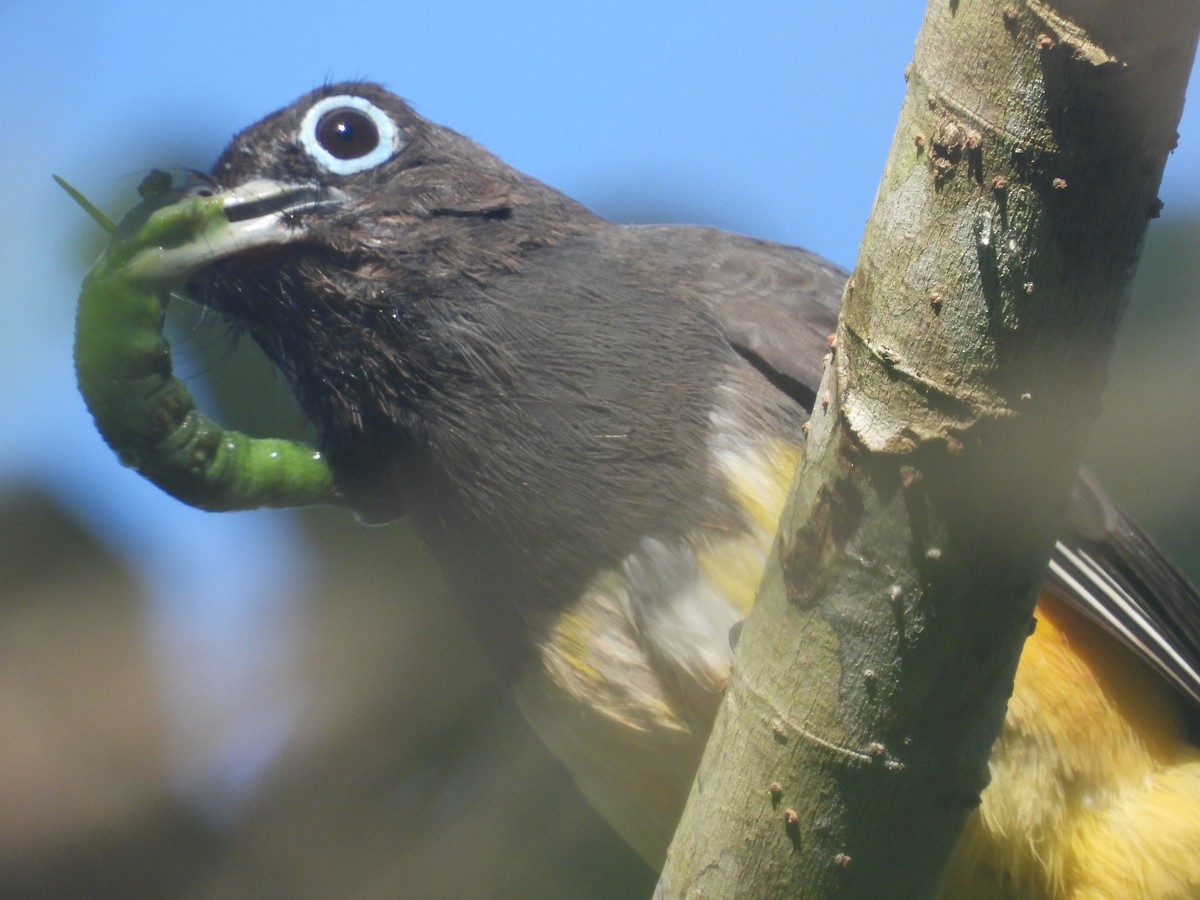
[186, 229]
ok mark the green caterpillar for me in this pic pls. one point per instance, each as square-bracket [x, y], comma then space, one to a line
[123, 366]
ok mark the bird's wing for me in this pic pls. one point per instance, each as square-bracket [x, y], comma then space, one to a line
[777, 304]
[1105, 566]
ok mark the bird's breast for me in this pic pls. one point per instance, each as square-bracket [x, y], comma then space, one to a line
[627, 677]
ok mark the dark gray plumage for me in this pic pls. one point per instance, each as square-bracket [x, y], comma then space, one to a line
[530, 381]
[591, 425]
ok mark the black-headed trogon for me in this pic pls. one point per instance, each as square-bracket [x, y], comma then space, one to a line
[595, 427]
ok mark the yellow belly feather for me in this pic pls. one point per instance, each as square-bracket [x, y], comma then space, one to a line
[1095, 791]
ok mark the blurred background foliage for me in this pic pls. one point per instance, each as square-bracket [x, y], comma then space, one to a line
[287, 704]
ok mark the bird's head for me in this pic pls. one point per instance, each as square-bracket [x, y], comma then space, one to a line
[541, 389]
[360, 245]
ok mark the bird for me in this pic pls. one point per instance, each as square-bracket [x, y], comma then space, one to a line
[594, 427]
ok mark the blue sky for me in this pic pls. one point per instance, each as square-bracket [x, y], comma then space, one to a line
[772, 120]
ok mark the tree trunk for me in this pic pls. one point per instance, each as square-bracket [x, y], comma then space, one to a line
[871, 680]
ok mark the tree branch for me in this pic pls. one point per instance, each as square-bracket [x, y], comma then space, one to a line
[871, 680]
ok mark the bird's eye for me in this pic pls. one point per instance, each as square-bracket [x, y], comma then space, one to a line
[348, 134]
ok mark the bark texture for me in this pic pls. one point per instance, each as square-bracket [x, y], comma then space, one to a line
[871, 680]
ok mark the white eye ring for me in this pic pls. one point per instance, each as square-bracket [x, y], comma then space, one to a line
[365, 147]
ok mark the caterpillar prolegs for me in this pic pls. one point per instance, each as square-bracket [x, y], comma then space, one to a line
[123, 366]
